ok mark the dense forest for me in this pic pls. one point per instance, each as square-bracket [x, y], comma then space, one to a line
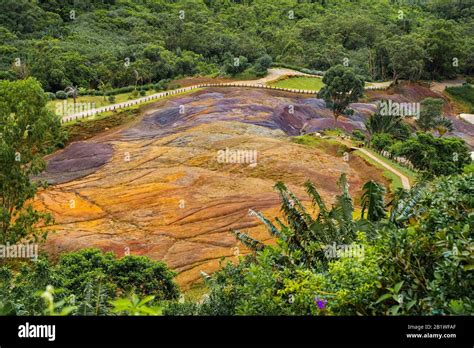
[119, 43]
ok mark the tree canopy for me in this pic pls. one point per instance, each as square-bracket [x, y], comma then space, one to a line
[64, 43]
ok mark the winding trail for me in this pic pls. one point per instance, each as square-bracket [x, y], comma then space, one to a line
[403, 177]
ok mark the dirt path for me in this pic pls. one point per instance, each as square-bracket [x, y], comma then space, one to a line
[403, 177]
[275, 74]
[440, 86]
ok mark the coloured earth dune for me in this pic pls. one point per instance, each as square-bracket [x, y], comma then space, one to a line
[157, 188]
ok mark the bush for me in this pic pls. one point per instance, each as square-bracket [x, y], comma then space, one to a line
[90, 276]
[433, 155]
[111, 98]
[142, 92]
[382, 141]
[50, 95]
[262, 64]
[61, 95]
[358, 135]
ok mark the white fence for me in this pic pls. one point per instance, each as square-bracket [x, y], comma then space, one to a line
[113, 107]
[400, 160]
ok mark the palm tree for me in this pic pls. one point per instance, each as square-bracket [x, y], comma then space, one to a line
[303, 236]
[373, 201]
[390, 124]
[72, 91]
[137, 78]
[443, 125]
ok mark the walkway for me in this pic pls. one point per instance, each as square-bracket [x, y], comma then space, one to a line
[403, 177]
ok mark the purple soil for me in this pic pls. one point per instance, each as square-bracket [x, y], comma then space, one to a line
[411, 92]
[75, 161]
[231, 104]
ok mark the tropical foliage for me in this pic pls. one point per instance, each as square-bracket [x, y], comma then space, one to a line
[91, 281]
[433, 155]
[411, 257]
[27, 132]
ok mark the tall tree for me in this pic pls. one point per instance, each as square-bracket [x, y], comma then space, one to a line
[406, 56]
[27, 131]
[342, 87]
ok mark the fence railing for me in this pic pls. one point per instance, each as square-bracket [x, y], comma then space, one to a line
[400, 160]
[93, 112]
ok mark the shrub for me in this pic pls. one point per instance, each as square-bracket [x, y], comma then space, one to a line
[91, 276]
[358, 135]
[382, 141]
[50, 95]
[61, 95]
[436, 156]
[134, 93]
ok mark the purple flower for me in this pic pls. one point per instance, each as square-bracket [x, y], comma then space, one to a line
[320, 302]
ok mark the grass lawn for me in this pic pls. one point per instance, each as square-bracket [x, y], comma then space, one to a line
[98, 100]
[308, 83]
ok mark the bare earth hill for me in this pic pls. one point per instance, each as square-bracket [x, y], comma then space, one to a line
[158, 188]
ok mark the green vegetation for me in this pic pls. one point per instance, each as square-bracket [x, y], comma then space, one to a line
[120, 43]
[464, 95]
[90, 280]
[431, 109]
[379, 124]
[407, 261]
[434, 156]
[307, 83]
[341, 87]
[28, 131]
